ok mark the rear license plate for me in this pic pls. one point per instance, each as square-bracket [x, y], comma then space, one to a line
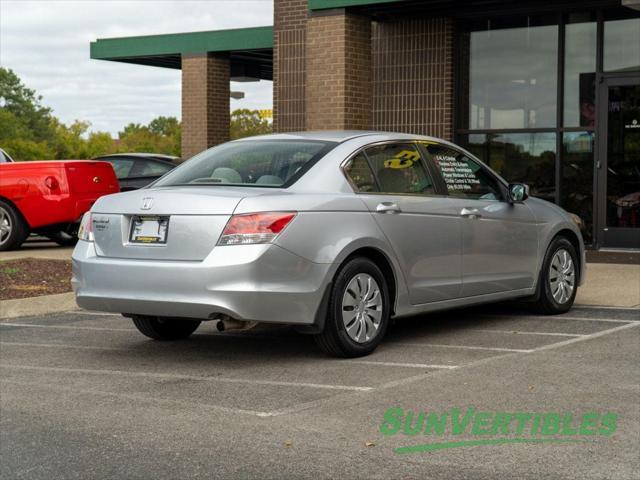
[149, 229]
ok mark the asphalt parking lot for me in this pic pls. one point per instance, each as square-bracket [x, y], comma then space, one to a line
[86, 396]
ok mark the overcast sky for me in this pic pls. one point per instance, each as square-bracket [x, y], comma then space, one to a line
[46, 43]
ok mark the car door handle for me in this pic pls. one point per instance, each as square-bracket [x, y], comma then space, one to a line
[470, 213]
[388, 207]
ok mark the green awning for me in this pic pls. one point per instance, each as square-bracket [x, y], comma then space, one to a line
[250, 49]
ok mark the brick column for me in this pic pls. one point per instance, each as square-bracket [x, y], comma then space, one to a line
[413, 76]
[289, 28]
[205, 102]
[338, 72]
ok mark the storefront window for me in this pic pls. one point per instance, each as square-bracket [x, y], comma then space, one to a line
[580, 72]
[576, 184]
[513, 75]
[622, 45]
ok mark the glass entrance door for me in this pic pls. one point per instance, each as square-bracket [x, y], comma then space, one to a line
[618, 177]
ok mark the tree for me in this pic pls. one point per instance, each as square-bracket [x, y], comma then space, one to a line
[29, 131]
[25, 105]
[162, 135]
[167, 126]
[247, 123]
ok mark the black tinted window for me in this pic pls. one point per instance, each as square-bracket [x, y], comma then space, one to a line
[360, 174]
[122, 166]
[399, 169]
[148, 168]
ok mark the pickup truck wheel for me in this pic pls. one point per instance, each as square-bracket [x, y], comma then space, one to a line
[13, 229]
[63, 239]
[165, 328]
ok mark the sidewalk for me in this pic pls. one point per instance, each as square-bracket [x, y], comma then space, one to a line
[611, 285]
[38, 249]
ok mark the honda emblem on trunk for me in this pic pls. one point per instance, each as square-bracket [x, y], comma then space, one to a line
[147, 202]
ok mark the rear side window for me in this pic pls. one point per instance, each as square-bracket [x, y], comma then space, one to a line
[360, 174]
[399, 169]
[465, 178]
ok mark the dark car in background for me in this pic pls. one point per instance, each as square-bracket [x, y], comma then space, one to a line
[137, 170]
[5, 157]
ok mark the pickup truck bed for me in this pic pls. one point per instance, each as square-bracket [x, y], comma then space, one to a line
[49, 197]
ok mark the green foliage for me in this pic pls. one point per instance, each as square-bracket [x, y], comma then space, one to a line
[24, 104]
[28, 130]
[162, 135]
[247, 123]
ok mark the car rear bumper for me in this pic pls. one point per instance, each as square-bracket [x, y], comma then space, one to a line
[250, 282]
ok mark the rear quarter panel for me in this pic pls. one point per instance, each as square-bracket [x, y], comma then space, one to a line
[328, 229]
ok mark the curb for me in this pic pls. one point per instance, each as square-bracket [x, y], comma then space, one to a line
[23, 307]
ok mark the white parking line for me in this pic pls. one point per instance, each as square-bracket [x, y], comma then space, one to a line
[554, 318]
[519, 332]
[124, 373]
[586, 319]
[587, 337]
[58, 345]
[464, 347]
[409, 365]
[127, 396]
[70, 327]
[579, 307]
[408, 380]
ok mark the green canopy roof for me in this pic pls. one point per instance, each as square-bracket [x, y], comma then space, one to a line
[250, 49]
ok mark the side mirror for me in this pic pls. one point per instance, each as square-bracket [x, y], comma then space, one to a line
[518, 192]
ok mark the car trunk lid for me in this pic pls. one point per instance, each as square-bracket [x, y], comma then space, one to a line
[195, 218]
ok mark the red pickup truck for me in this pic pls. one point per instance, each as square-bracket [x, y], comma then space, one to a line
[49, 198]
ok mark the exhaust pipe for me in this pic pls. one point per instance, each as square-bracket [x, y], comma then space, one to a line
[227, 323]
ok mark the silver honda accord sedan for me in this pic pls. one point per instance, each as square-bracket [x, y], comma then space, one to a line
[333, 232]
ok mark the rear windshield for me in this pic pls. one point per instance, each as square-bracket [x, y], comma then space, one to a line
[259, 163]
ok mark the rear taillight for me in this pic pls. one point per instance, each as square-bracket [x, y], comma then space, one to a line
[252, 228]
[85, 231]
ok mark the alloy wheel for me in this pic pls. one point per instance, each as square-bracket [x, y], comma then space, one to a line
[362, 308]
[5, 226]
[562, 276]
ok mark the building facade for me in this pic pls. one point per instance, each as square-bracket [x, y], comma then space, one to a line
[546, 93]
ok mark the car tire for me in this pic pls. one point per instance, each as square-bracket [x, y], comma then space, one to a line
[63, 239]
[558, 281]
[13, 229]
[358, 310]
[165, 328]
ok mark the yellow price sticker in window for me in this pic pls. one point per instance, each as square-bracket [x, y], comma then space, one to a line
[402, 159]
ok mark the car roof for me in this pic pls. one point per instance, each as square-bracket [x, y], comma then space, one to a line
[153, 156]
[340, 136]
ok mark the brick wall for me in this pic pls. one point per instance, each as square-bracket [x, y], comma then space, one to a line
[413, 76]
[338, 72]
[290, 19]
[341, 71]
[205, 102]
